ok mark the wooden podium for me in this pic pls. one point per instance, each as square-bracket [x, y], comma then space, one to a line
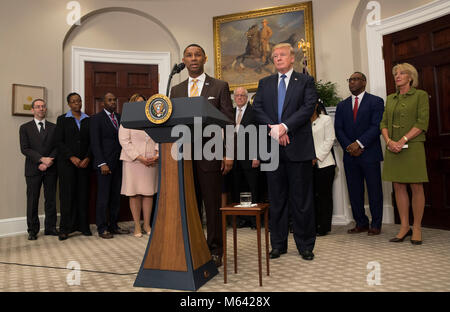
[177, 256]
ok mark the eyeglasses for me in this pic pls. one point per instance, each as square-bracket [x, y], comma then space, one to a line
[354, 79]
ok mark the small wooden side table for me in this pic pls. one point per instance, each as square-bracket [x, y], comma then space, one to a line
[257, 211]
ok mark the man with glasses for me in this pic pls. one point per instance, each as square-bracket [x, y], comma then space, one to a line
[245, 171]
[357, 126]
[38, 144]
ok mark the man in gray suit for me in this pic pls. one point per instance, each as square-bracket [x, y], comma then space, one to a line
[38, 144]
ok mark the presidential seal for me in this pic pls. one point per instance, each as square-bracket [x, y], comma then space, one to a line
[158, 109]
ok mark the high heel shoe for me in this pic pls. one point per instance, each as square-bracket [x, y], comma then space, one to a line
[138, 235]
[416, 242]
[401, 239]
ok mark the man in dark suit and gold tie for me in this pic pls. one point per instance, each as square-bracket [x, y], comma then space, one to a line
[207, 173]
[38, 144]
[285, 102]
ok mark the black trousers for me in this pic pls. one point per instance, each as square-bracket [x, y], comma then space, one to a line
[34, 184]
[73, 198]
[291, 189]
[323, 197]
[108, 199]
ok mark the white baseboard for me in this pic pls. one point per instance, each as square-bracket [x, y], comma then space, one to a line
[340, 220]
[17, 226]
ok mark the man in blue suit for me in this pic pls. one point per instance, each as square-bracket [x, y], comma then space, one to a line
[357, 126]
[285, 102]
[106, 149]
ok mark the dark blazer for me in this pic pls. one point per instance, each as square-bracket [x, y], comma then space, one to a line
[104, 137]
[366, 128]
[34, 146]
[301, 98]
[71, 140]
[218, 94]
[247, 119]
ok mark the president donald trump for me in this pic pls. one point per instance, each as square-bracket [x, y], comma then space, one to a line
[285, 102]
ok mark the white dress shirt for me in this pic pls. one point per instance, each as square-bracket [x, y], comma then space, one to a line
[37, 123]
[201, 81]
[360, 96]
[286, 81]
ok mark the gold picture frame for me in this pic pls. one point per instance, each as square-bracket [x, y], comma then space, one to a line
[23, 96]
[236, 42]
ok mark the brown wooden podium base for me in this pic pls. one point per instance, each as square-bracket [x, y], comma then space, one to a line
[177, 256]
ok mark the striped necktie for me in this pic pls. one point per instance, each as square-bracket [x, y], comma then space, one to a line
[194, 88]
[114, 120]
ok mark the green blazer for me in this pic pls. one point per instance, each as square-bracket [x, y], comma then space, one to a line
[412, 111]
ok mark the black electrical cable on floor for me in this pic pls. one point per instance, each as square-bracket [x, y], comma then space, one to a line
[60, 268]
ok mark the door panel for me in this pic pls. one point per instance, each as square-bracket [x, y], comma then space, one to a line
[427, 47]
[123, 80]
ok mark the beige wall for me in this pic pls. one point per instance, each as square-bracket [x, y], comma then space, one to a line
[31, 51]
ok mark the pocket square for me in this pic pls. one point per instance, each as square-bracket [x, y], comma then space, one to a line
[211, 98]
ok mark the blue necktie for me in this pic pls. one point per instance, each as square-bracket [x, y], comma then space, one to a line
[281, 96]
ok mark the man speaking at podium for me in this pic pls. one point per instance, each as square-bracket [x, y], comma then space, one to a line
[207, 173]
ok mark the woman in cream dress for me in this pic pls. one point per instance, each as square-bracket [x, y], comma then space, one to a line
[140, 172]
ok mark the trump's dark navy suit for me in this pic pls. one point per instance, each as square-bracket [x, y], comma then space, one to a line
[290, 185]
[365, 129]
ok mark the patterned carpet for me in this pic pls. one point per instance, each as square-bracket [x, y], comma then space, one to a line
[340, 265]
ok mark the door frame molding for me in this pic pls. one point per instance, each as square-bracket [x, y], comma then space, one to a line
[375, 33]
[80, 55]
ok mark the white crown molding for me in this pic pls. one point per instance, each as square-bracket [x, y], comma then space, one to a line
[392, 24]
[80, 55]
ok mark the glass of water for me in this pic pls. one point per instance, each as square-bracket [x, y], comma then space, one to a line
[246, 199]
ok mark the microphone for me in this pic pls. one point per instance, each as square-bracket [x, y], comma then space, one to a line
[175, 70]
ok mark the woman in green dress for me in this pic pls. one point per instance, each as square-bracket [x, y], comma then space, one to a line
[405, 121]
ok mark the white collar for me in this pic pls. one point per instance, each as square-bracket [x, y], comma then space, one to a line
[360, 96]
[200, 78]
[38, 121]
[288, 74]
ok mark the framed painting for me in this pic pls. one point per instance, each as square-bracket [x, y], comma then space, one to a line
[243, 43]
[23, 96]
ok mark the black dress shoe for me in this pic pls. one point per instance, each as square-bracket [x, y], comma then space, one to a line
[307, 255]
[374, 231]
[105, 235]
[63, 236]
[358, 229]
[32, 236]
[276, 253]
[120, 231]
[401, 239]
[321, 233]
[51, 232]
[217, 260]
